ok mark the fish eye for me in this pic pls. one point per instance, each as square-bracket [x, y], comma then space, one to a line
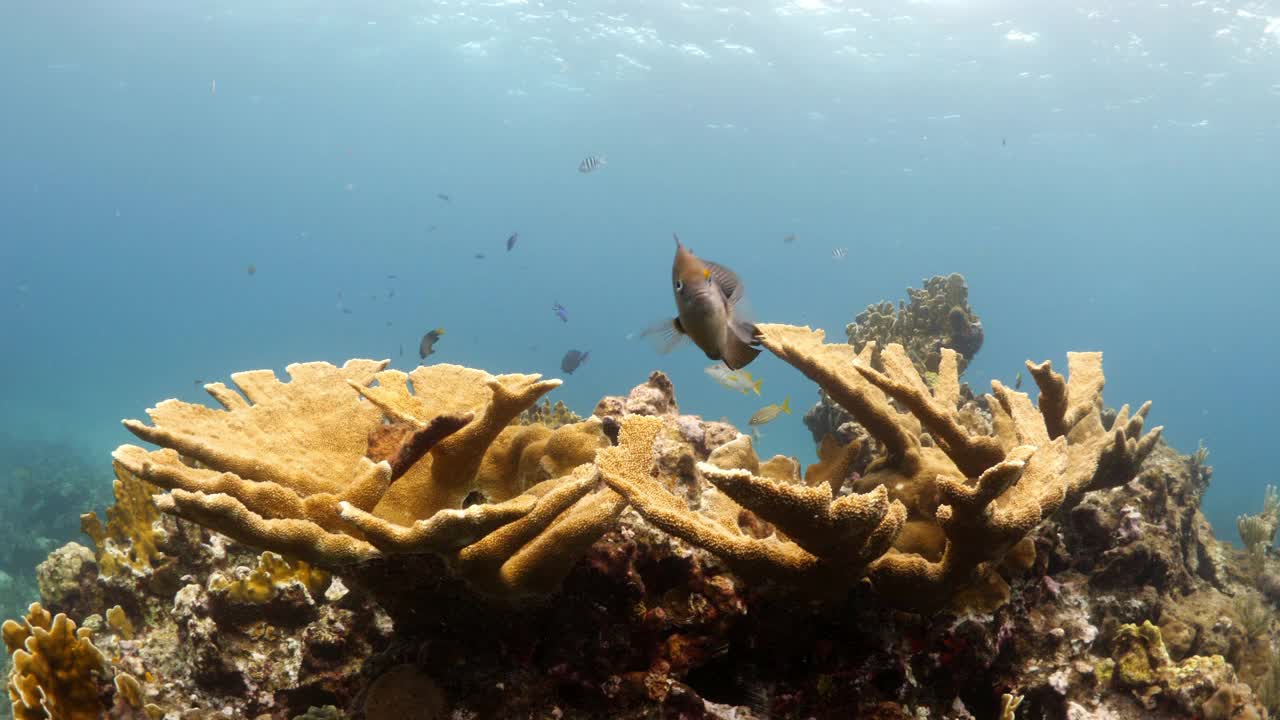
[679, 285]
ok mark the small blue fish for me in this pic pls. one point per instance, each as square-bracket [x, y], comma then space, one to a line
[572, 360]
[511, 241]
[560, 312]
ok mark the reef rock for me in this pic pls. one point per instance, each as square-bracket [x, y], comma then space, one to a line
[433, 549]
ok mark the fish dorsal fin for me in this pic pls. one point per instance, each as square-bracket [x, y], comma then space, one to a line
[727, 280]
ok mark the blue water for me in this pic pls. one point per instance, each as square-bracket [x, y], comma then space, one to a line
[1103, 174]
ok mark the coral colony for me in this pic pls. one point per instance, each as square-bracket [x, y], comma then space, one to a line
[360, 542]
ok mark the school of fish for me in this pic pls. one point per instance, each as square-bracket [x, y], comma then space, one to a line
[709, 312]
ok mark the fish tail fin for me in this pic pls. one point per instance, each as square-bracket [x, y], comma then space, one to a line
[756, 386]
[786, 405]
[737, 353]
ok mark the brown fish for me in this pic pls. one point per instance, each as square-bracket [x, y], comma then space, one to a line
[428, 344]
[252, 269]
[707, 297]
[572, 360]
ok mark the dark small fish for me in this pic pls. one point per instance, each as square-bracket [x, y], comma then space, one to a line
[388, 323]
[393, 277]
[431, 228]
[511, 241]
[560, 312]
[789, 238]
[252, 269]
[428, 344]
[1003, 142]
[572, 360]
[346, 311]
[391, 292]
[1017, 381]
[591, 163]
[479, 256]
[197, 382]
[443, 197]
[401, 349]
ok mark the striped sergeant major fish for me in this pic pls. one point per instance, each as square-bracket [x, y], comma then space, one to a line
[591, 163]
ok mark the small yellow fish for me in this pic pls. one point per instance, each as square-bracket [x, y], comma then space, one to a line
[1017, 381]
[769, 413]
[740, 380]
[745, 384]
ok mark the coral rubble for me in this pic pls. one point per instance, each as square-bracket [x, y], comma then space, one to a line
[361, 542]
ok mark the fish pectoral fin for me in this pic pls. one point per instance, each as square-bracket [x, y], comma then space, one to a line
[664, 335]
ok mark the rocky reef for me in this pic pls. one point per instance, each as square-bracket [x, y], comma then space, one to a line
[361, 542]
[50, 481]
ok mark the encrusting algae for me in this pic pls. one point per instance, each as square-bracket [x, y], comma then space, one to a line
[265, 582]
